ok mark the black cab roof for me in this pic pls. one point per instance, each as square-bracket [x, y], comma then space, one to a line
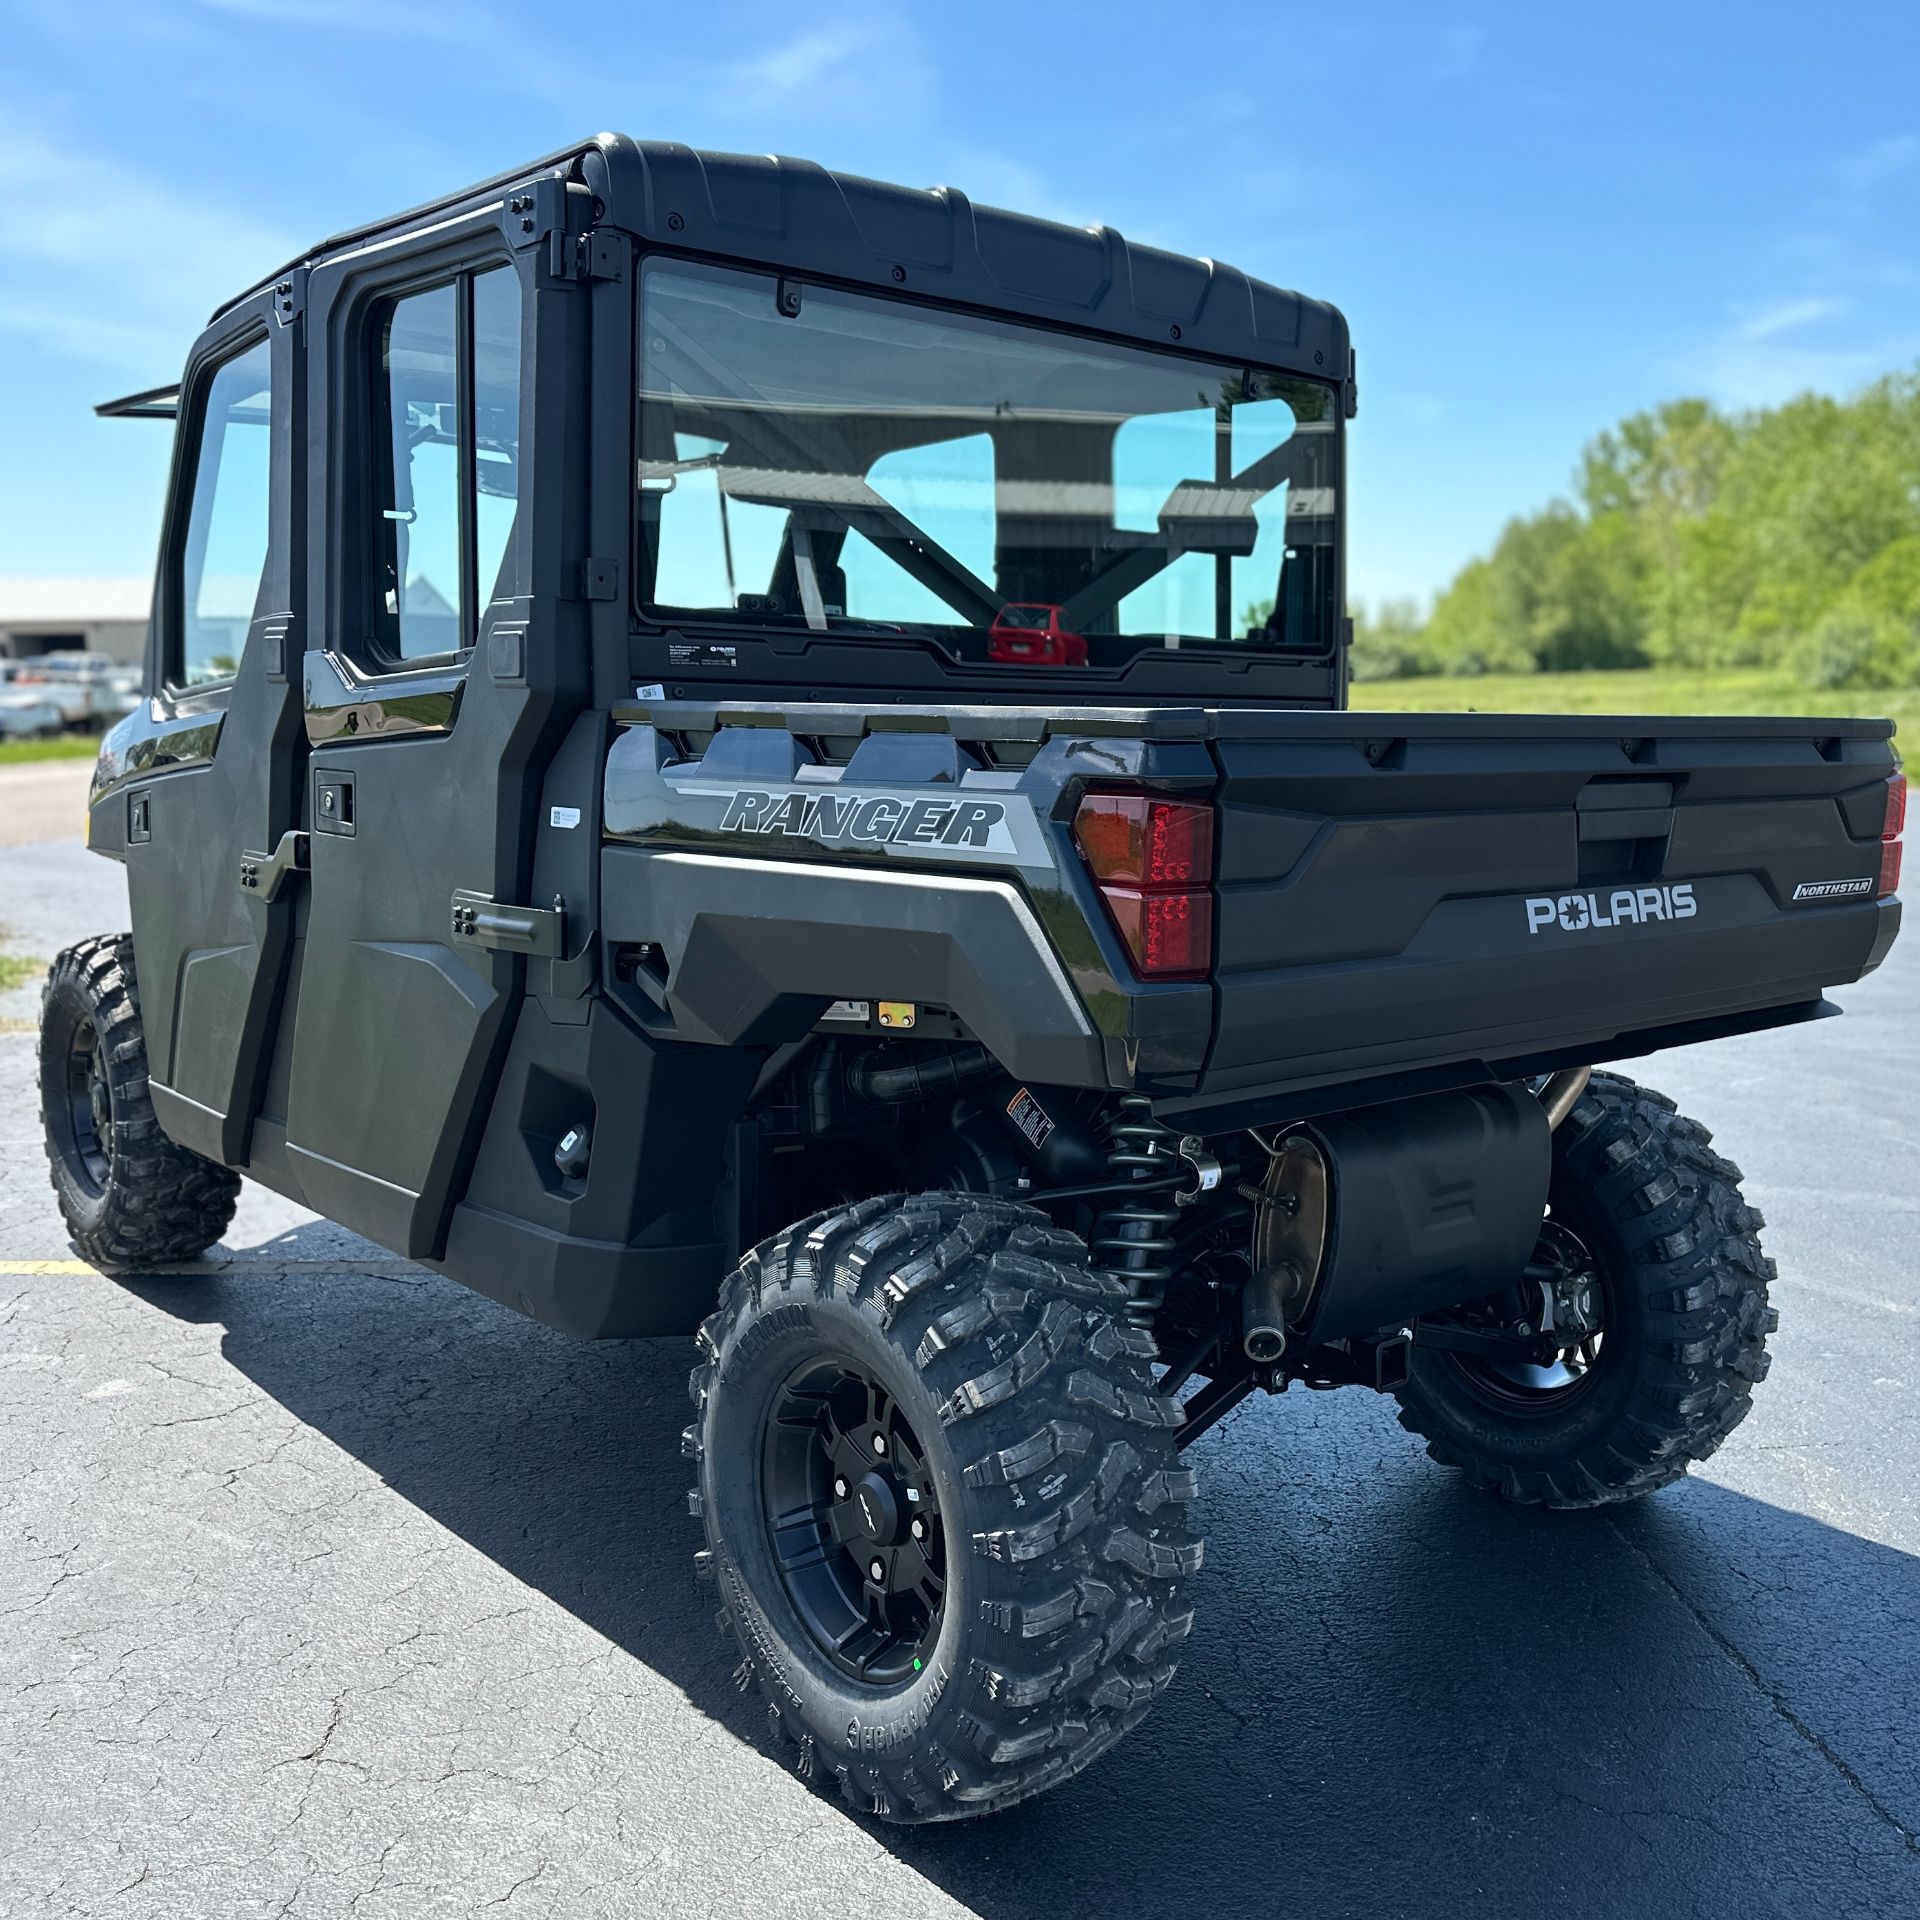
[934, 243]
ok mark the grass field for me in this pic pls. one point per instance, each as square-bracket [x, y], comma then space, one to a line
[64, 746]
[1756, 690]
[1648, 690]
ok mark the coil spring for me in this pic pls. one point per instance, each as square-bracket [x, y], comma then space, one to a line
[1133, 1239]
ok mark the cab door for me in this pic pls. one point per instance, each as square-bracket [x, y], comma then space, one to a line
[441, 669]
[209, 816]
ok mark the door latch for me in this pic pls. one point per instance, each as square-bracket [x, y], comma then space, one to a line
[481, 921]
[265, 874]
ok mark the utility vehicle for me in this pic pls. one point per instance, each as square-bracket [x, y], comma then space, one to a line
[733, 751]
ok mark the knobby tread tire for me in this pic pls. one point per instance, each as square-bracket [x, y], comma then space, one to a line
[1063, 1493]
[161, 1204]
[1688, 1320]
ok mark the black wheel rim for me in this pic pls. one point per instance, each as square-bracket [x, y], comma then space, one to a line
[1545, 1388]
[853, 1521]
[89, 1111]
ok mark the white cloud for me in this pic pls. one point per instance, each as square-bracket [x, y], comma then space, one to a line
[1789, 316]
[853, 68]
[802, 65]
[128, 282]
[1745, 368]
[1871, 166]
[999, 180]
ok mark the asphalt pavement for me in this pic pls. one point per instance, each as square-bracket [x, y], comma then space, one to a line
[327, 1587]
[43, 800]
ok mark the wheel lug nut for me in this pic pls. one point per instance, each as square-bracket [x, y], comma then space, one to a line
[879, 1571]
[880, 1444]
[918, 1529]
[839, 1486]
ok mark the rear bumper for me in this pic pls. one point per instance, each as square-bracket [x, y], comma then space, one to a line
[1310, 1038]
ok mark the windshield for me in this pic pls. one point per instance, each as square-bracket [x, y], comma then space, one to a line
[1016, 495]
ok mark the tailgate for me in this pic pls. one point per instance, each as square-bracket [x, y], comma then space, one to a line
[1408, 892]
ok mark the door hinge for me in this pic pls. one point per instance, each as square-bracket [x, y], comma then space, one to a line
[266, 873]
[290, 296]
[599, 579]
[537, 211]
[587, 256]
[481, 921]
[602, 255]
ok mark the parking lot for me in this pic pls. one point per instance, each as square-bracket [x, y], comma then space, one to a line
[328, 1587]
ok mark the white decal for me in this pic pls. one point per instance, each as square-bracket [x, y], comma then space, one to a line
[1624, 906]
[873, 818]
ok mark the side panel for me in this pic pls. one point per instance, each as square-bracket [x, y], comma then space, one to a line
[199, 780]
[754, 952]
[425, 780]
[788, 866]
[630, 1242]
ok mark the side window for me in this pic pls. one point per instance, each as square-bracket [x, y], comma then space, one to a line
[447, 453]
[496, 430]
[226, 547]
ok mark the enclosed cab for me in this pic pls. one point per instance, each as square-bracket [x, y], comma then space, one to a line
[733, 749]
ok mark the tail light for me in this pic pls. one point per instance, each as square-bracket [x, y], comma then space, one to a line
[1152, 860]
[1890, 836]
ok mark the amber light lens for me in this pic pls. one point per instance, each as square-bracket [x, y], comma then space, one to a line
[1890, 833]
[1153, 861]
[1143, 841]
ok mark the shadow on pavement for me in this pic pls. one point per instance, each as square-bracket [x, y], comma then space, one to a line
[1401, 1697]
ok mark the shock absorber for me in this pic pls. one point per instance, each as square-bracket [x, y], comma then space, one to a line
[1133, 1239]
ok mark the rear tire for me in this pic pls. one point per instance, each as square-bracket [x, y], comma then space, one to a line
[1677, 1253]
[1033, 1615]
[130, 1196]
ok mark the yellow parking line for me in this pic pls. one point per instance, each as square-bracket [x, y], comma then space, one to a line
[36, 1269]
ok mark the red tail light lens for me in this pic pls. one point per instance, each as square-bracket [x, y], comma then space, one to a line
[1890, 833]
[1170, 935]
[1153, 861]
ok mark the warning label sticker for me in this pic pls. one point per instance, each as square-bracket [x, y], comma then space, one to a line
[1030, 1117]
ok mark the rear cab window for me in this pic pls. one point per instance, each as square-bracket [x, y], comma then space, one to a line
[1008, 494]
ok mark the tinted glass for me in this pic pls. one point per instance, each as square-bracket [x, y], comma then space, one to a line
[1013, 494]
[422, 606]
[226, 550]
[496, 405]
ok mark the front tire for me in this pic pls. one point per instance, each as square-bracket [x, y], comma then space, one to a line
[1675, 1252]
[131, 1197]
[942, 1501]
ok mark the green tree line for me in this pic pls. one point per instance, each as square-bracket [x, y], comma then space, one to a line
[1698, 538]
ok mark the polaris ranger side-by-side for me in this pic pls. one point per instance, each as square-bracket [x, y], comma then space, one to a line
[735, 751]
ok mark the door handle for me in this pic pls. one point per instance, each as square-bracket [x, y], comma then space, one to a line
[265, 874]
[481, 921]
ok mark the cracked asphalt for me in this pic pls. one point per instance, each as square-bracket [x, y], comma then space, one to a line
[327, 1587]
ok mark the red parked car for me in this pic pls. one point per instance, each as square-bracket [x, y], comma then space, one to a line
[1032, 636]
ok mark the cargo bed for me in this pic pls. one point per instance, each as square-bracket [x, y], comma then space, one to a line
[1400, 901]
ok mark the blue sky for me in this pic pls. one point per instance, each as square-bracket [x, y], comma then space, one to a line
[1537, 218]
